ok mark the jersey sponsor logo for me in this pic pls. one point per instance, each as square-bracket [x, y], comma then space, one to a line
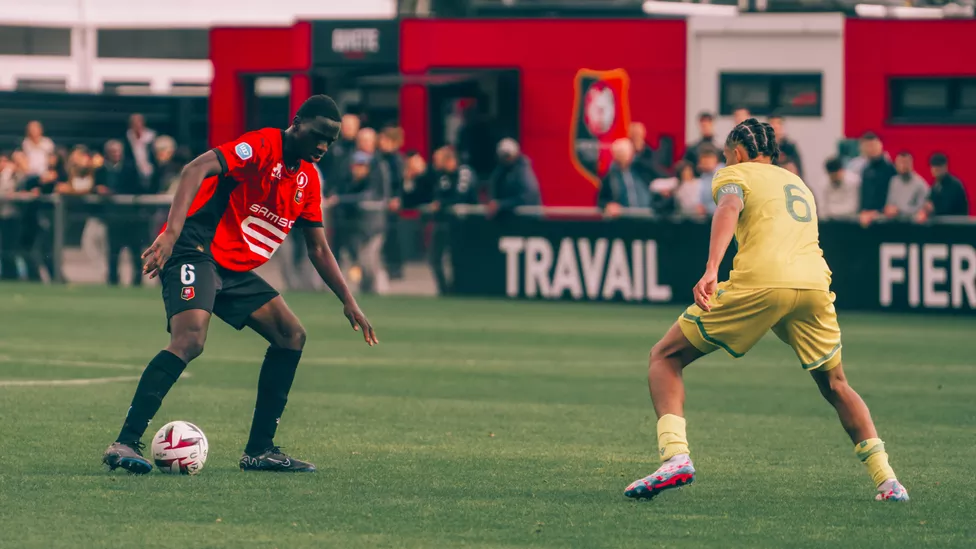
[601, 115]
[301, 180]
[188, 293]
[299, 196]
[274, 218]
[243, 151]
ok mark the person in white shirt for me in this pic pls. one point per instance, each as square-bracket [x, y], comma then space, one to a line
[842, 196]
[38, 148]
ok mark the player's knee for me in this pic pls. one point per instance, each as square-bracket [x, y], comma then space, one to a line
[292, 337]
[188, 345]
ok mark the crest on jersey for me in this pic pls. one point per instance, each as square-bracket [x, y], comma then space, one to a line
[243, 151]
[188, 293]
[601, 115]
[302, 180]
[276, 171]
[299, 196]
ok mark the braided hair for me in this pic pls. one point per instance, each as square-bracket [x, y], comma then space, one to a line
[757, 138]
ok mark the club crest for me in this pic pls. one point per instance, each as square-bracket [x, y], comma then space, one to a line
[188, 293]
[299, 196]
[601, 115]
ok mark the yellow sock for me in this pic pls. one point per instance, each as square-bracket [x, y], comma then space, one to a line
[671, 438]
[872, 453]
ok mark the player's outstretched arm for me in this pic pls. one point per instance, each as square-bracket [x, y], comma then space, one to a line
[724, 221]
[203, 166]
[325, 263]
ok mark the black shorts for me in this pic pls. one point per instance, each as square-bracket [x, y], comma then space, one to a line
[197, 282]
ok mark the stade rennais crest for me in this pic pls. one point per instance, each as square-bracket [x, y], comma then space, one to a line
[601, 115]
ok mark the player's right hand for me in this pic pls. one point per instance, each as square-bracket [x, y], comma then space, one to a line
[158, 254]
[704, 289]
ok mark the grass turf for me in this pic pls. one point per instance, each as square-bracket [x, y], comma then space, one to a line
[477, 424]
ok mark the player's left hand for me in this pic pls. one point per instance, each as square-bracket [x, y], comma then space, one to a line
[359, 321]
[705, 288]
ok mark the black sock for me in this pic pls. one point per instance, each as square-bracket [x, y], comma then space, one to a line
[157, 379]
[274, 383]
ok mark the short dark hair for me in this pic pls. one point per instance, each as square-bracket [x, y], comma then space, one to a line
[681, 165]
[411, 152]
[834, 165]
[904, 154]
[319, 105]
[776, 114]
[705, 115]
[758, 138]
[938, 160]
[741, 108]
[707, 149]
[869, 136]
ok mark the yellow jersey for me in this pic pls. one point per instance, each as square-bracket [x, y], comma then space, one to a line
[777, 234]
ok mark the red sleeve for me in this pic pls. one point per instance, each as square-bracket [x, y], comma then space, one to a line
[312, 212]
[244, 155]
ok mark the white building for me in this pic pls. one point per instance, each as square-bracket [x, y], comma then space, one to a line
[151, 46]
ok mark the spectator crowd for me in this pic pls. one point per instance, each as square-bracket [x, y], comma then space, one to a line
[370, 184]
[868, 187]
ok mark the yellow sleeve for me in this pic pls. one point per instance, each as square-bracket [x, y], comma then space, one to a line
[728, 181]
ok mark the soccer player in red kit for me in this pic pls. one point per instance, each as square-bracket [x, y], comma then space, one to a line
[233, 207]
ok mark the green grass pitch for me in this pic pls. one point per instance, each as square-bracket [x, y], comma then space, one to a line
[477, 424]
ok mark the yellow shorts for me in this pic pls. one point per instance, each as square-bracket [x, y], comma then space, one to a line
[803, 319]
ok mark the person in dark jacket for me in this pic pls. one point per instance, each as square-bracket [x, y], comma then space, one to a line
[362, 203]
[948, 195]
[788, 150]
[624, 185]
[875, 178]
[390, 164]
[126, 226]
[455, 184]
[706, 127]
[513, 183]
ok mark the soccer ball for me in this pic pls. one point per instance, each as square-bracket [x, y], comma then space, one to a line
[180, 447]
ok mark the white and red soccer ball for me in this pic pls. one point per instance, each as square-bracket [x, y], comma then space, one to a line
[180, 448]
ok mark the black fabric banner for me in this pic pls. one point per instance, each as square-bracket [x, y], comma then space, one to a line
[889, 266]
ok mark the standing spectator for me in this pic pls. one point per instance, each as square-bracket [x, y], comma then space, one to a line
[335, 164]
[456, 185]
[708, 164]
[119, 176]
[623, 186]
[907, 192]
[788, 150]
[417, 188]
[646, 161]
[687, 196]
[390, 164]
[947, 195]
[12, 176]
[513, 183]
[168, 166]
[79, 173]
[740, 115]
[38, 148]
[138, 147]
[366, 227]
[706, 128]
[875, 178]
[842, 196]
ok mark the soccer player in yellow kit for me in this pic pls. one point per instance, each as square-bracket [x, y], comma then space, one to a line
[779, 282]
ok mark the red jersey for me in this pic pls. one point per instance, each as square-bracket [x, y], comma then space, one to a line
[245, 213]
